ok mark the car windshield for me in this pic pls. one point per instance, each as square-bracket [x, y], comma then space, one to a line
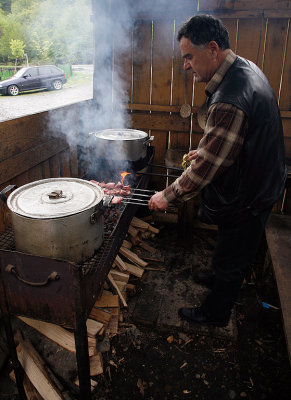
[20, 72]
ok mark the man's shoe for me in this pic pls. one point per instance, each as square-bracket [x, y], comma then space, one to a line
[205, 278]
[197, 315]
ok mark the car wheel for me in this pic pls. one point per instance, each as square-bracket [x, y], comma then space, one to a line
[13, 90]
[57, 85]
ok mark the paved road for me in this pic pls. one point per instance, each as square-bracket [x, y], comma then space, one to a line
[30, 103]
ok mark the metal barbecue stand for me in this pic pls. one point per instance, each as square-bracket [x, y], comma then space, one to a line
[58, 291]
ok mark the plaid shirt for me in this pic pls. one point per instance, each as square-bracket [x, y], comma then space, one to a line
[223, 138]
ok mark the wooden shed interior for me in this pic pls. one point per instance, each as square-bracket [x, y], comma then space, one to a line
[146, 88]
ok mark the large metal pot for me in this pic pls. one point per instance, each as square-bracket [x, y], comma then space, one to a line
[121, 144]
[58, 217]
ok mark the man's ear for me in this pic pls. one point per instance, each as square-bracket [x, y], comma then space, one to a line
[213, 47]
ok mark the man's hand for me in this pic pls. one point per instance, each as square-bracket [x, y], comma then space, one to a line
[157, 202]
[192, 155]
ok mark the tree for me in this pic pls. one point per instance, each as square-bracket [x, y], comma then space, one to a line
[17, 49]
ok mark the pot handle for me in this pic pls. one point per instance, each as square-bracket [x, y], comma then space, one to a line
[149, 140]
[4, 191]
[96, 214]
[11, 269]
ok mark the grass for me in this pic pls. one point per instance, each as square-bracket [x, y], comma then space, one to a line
[79, 77]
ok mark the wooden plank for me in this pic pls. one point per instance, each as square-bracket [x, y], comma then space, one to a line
[55, 166]
[35, 173]
[278, 234]
[142, 33]
[65, 163]
[285, 95]
[158, 121]
[250, 39]
[22, 162]
[275, 46]
[231, 25]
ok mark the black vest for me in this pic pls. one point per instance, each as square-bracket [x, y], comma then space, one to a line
[257, 178]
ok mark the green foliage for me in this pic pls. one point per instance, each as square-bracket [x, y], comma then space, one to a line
[5, 5]
[52, 30]
[17, 48]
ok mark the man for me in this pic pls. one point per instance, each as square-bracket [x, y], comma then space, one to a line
[239, 165]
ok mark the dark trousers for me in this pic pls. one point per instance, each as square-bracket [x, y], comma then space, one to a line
[236, 248]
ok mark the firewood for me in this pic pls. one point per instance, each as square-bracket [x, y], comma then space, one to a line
[126, 244]
[120, 264]
[56, 333]
[117, 289]
[92, 383]
[107, 300]
[38, 372]
[165, 217]
[139, 224]
[132, 231]
[145, 234]
[100, 315]
[30, 390]
[147, 247]
[96, 365]
[119, 276]
[121, 285]
[153, 229]
[93, 327]
[135, 240]
[134, 270]
[132, 257]
[112, 327]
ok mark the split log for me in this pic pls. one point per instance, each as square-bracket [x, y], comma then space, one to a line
[93, 327]
[100, 315]
[147, 247]
[143, 226]
[132, 231]
[107, 300]
[135, 240]
[112, 281]
[119, 276]
[132, 257]
[56, 333]
[96, 365]
[92, 383]
[126, 244]
[120, 264]
[30, 390]
[165, 217]
[112, 327]
[134, 270]
[38, 372]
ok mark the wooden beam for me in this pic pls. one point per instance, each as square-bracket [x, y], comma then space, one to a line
[15, 166]
[158, 121]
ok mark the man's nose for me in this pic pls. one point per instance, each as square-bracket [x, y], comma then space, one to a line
[186, 65]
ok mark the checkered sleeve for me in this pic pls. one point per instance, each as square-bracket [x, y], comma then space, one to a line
[222, 141]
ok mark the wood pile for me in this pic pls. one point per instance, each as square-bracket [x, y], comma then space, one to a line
[104, 318]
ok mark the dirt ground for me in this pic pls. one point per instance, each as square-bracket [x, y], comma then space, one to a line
[146, 361]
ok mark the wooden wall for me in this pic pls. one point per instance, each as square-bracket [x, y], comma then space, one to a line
[157, 85]
[30, 151]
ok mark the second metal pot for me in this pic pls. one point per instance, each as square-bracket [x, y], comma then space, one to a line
[121, 144]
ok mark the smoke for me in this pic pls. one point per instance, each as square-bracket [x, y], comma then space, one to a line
[114, 38]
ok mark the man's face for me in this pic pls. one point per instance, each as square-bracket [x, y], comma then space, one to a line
[202, 63]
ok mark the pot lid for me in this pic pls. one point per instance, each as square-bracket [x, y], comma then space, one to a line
[120, 134]
[54, 198]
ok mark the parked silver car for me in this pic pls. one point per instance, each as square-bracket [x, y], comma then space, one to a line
[30, 78]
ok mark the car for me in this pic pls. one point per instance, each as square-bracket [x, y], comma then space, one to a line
[30, 78]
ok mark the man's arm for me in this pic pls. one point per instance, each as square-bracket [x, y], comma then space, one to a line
[218, 149]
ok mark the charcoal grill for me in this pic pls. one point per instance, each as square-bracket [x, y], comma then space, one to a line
[25, 287]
